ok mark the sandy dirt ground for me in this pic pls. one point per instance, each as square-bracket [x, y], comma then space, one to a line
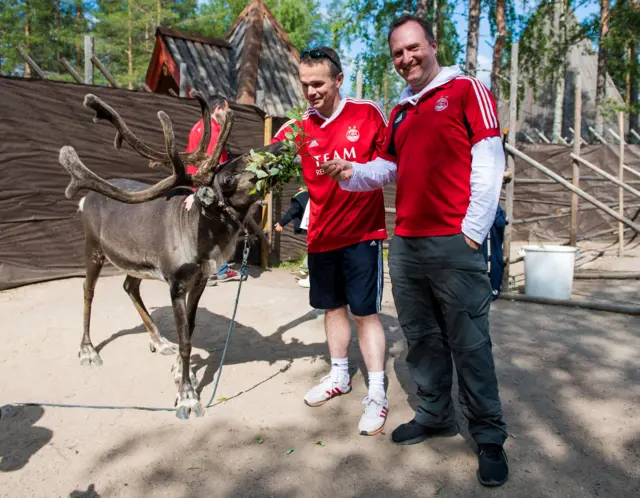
[569, 378]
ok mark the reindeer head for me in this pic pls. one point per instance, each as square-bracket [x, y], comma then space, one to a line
[228, 186]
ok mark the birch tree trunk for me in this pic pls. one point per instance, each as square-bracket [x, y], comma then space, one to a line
[471, 63]
[561, 41]
[498, 48]
[27, 34]
[130, 45]
[601, 80]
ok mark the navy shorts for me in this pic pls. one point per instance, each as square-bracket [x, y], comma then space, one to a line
[351, 276]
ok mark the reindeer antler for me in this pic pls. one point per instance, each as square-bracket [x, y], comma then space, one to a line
[83, 177]
[208, 168]
[156, 158]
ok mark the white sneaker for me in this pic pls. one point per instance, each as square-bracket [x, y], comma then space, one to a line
[375, 415]
[304, 282]
[326, 390]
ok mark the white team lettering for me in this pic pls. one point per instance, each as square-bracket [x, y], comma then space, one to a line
[349, 154]
[346, 154]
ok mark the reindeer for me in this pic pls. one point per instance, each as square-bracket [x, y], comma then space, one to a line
[147, 232]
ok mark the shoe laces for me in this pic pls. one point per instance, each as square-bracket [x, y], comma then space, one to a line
[372, 405]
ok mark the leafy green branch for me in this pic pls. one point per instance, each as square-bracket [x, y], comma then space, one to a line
[274, 172]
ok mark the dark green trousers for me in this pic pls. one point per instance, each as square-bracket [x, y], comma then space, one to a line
[442, 293]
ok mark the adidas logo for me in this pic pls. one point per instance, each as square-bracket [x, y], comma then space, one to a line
[314, 143]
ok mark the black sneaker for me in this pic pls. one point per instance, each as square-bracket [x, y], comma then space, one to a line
[493, 468]
[413, 432]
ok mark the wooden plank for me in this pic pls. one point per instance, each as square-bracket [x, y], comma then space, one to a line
[608, 176]
[112, 81]
[74, 74]
[31, 63]
[511, 165]
[568, 185]
[183, 80]
[577, 122]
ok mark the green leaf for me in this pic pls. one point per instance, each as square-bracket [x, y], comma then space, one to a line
[289, 451]
[274, 171]
[222, 400]
[289, 135]
[261, 173]
[319, 443]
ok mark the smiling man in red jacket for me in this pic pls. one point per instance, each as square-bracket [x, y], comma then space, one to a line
[443, 149]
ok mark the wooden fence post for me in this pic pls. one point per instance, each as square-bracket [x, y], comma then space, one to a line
[577, 141]
[511, 165]
[620, 190]
[88, 64]
[267, 208]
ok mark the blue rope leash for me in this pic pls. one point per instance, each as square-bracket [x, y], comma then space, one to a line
[244, 275]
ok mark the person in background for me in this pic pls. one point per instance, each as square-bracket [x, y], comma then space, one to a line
[496, 259]
[218, 106]
[296, 212]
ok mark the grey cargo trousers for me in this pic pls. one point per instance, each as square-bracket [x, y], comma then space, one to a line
[442, 293]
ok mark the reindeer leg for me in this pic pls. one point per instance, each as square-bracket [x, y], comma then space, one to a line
[156, 341]
[187, 399]
[93, 261]
[192, 307]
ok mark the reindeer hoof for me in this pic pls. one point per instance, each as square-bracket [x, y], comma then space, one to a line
[163, 347]
[89, 356]
[186, 403]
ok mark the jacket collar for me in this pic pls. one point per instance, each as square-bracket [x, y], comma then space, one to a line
[445, 75]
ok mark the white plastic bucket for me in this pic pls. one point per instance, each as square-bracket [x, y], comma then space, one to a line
[548, 271]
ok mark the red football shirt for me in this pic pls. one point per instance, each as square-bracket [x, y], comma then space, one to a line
[432, 148]
[194, 139]
[339, 218]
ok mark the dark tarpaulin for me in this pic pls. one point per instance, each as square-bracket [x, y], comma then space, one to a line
[40, 230]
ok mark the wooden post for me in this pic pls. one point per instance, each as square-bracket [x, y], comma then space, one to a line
[614, 135]
[635, 134]
[65, 63]
[620, 190]
[88, 64]
[31, 63]
[511, 165]
[597, 135]
[577, 123]
[183, 80]
[624, 185]
[112, 81]
[267, 207]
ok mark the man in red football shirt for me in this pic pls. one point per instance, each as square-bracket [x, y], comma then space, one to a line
[219, 106]
[444, 150]
[346, 230]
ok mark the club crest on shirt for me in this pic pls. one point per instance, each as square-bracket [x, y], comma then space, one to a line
[441, 104]
[353, 134]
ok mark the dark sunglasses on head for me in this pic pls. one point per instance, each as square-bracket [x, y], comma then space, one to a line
[319, 54]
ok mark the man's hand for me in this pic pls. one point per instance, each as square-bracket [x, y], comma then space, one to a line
[473, 245]
[338, 169]
[278, 227]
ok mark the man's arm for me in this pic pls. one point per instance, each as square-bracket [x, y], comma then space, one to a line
[487, 170]
[357, 177]
[487, 160]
